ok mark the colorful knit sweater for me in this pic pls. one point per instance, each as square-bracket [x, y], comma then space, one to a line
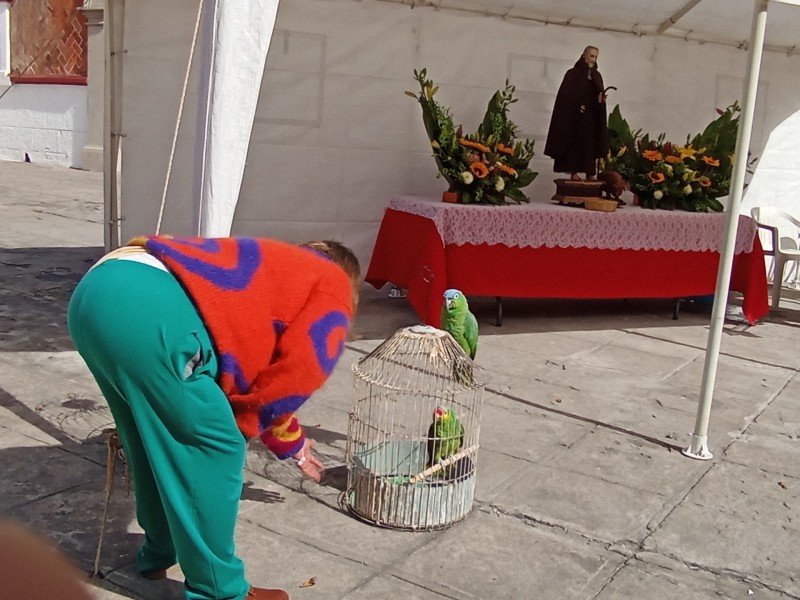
[278, 315]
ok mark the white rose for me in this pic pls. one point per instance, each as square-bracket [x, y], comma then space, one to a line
[687, 189]
[467, 177]
[658, 194]
[499, 184]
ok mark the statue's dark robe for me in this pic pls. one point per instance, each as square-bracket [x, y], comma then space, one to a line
[577, 139]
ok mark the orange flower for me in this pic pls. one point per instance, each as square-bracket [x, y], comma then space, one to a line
[673, 159]
[506, 169]
[476, 145]
[652, 155]
[504, 149]
[656, 177]
[704, 181]
[710, 160]
[479, 169]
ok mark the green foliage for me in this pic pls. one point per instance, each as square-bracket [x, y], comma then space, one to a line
[489, 166]
[664, 175]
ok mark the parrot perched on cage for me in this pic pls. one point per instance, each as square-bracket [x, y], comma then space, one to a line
[459, 322]
[445, 436]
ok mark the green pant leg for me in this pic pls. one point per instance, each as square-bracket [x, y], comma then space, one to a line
[134, 325]
[158, 550]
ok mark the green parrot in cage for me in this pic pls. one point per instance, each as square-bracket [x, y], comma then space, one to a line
[459, 322]
[445, 436]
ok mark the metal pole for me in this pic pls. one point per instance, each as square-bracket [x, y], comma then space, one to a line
[112, 121]
[699, 445]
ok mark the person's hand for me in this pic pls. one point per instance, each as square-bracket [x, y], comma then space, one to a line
[309, 464]
[602, 97]
[583, 108]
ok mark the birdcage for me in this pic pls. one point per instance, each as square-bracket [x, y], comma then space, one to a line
[406, 469]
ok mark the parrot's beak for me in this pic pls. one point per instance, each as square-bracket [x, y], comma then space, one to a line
[449, 304]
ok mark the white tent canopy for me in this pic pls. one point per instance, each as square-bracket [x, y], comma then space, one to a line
[333, 136]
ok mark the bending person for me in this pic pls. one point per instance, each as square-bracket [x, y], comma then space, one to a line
[198, 344]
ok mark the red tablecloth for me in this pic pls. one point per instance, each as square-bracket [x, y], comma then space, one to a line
[409, 252]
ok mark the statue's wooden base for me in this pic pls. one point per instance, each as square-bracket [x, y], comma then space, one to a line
[576, 192]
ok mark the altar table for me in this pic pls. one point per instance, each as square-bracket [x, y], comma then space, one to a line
[545, 250]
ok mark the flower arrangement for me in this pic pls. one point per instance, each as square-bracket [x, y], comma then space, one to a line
[489, 166]
[665, 175]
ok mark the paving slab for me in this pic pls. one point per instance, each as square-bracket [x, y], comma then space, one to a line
[524, 432]
[653, 576]
[494, 556]
[772, 441]
[394, 586]
[326, 527]
[629, 461]
[276, 560]
[740, 520]
[72, 518]
[591, 506]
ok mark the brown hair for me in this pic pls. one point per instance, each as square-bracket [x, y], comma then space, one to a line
[342, 256]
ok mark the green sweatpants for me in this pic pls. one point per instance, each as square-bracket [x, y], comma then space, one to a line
[153, 360]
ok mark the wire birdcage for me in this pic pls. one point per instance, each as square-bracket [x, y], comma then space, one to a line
[401, 386]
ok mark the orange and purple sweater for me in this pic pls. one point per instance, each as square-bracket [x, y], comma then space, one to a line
[278, 315]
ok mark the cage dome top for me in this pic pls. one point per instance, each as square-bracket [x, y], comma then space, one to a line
[418, 353]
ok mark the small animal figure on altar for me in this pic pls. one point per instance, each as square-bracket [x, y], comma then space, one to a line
[613, 186]
[445, 437]
[458, 321]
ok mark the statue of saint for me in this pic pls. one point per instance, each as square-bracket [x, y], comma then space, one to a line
[578, 133]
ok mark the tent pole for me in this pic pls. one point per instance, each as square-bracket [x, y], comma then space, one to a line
[114, 28]
[674, 18]
[699, 445]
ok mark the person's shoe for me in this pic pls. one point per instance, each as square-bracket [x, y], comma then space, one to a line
[262, 594]
[154, 575]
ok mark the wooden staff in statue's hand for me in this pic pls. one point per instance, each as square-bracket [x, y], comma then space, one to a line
[604, 93]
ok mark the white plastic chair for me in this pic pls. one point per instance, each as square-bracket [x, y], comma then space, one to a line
[783, 242]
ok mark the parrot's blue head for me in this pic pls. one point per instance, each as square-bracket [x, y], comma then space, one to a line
[454, 299]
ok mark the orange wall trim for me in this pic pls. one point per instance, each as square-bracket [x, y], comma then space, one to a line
[48, 79]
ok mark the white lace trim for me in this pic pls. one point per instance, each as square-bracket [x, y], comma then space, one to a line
[554, 226]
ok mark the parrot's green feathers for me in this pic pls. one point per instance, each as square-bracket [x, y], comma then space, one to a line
[445, 436]
[459, 322]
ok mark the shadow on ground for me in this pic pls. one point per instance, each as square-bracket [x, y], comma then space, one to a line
[379, 316]
[37, 285]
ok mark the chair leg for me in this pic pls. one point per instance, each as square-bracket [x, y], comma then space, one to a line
[777, 282]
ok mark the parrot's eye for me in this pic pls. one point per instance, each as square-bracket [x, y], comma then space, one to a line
[455, 296]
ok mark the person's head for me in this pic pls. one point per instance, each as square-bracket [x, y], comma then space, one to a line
[590, 55]
[342, 256]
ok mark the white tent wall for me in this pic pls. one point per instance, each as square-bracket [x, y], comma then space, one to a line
[335, 137]
[157, 41]
[776, 182]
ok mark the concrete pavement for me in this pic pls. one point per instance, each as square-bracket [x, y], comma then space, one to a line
[582, 492]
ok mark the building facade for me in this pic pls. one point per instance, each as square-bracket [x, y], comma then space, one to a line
[44, 83]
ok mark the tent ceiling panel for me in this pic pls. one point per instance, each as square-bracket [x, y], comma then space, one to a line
[721, 21]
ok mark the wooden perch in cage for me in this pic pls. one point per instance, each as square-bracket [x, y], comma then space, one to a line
[444, 463]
